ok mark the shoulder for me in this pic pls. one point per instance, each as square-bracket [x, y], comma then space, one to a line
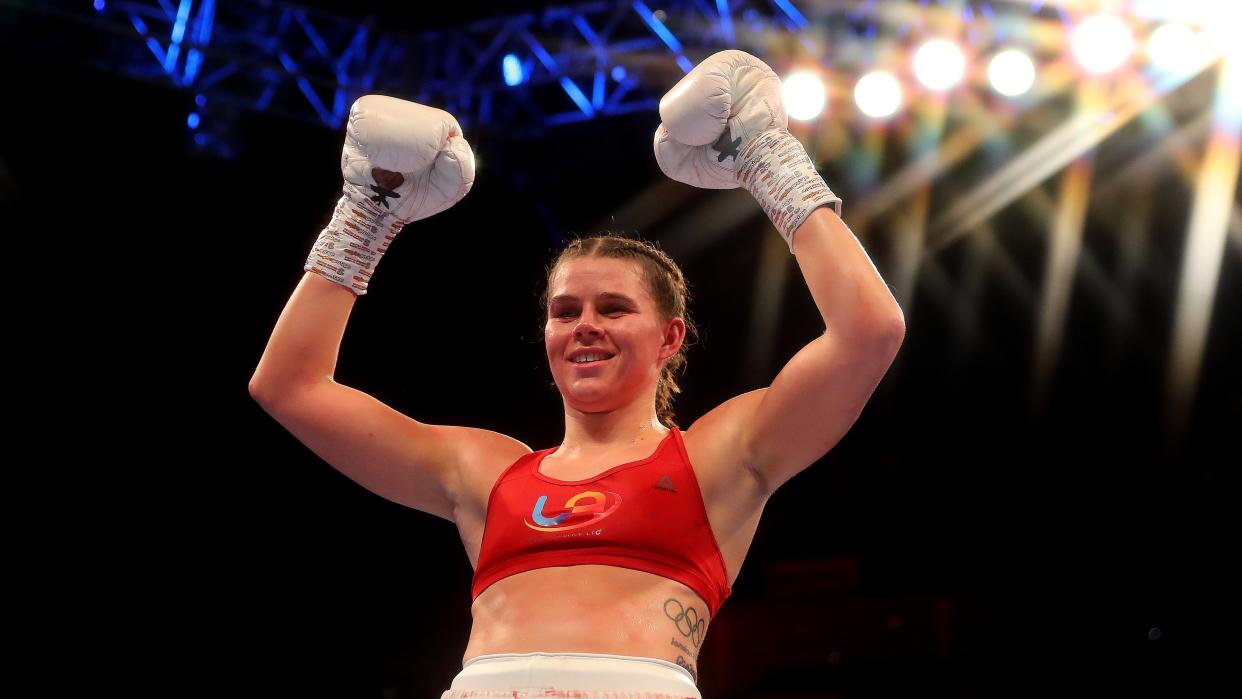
[723, 426]
[485, 455]
[486, 450]
[716, 446]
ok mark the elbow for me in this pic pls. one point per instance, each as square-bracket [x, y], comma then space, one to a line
[887, 337]
[892, 325]
[256, 391]
[887, 331]
[895, 334]
[880, 323]
[268, 391]
[892, 320]
[897, 329]
[262, 391]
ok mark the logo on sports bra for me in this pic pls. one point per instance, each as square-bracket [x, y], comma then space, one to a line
[582, 510]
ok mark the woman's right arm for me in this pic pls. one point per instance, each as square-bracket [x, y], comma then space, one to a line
[398, 458]
[304, 346]
[401, 162]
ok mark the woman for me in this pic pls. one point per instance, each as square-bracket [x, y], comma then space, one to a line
[599, 563]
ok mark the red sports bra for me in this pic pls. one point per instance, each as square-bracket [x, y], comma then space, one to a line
[645, 515]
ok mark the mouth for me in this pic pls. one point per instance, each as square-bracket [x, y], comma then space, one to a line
[597, 362]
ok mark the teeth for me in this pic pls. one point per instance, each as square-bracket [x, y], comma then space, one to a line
[589, 358]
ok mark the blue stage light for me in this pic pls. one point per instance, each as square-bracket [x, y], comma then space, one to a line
[512, 69]
[192, 120]
[618, 73]
[99, 5]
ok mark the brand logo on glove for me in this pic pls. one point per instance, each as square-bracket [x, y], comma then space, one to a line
[726, 148]
[381, 194]
[386, 182]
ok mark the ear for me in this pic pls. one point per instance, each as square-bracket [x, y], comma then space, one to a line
[674, 335]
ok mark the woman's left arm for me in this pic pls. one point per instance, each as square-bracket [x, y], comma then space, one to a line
[724, 125]
[821, 391]
[848, 290]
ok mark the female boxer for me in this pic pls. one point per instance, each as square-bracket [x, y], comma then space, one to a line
[599, 563]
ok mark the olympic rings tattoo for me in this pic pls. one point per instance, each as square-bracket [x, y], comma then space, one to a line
[687, 620]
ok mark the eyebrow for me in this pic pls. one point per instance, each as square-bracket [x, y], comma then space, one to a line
[610, 295]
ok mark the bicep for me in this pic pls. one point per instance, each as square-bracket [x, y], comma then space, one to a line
[390, 454]
[812, 403]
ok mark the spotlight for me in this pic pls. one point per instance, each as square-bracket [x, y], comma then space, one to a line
[1102, 43]
[1227, 18]
[1223, 14]
[939, 64]
[1011, 72]
[618, 73]
[803, 95]
[878, 94]
[512, 69]
[1175, 48]
[192, 120]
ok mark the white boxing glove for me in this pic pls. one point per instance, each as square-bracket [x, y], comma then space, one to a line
[724, 126]
[401, 162]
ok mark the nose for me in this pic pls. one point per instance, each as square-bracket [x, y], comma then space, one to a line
[587, 329]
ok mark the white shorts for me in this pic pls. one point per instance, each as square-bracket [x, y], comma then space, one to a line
[571, 676]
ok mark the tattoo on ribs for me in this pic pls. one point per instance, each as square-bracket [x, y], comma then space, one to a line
[687, 620]
[682, 662]
[682, 647]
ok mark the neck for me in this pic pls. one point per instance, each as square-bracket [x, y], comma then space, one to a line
[593, 433]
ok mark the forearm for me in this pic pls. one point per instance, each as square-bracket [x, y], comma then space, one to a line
[304, 345]
[852, 297]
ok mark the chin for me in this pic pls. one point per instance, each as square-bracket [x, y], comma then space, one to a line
[599, 403]
[594, 399]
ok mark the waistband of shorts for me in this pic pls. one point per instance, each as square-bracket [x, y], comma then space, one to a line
[584, 671]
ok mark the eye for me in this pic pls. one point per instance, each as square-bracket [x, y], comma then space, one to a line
[608, 311]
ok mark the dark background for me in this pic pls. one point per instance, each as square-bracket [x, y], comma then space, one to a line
[950, 545]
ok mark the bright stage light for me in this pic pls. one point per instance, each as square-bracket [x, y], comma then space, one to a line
[878, 94]
[1215, 20]
[1222, 28]
[939, 64]
[512, 69]
[1204, 12]
[1011, 72]
[1102, 43]
[1175, 48]
[803, 95]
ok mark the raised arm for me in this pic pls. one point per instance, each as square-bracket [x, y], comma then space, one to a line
[384, 451]
[402, 162]
[304, 345]
[724, 126]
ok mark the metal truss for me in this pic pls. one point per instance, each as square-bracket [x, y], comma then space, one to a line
[590, 60]
[578, 62]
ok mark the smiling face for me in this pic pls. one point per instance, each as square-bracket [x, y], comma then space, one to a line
[602, 304]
